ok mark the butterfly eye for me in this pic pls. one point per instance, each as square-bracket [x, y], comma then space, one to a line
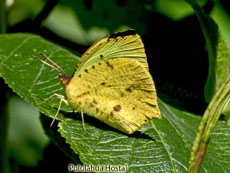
[64, 79]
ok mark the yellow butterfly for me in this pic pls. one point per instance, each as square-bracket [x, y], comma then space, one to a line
[112, 83]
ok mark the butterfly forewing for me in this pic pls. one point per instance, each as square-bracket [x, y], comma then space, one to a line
[126, 44]
[119, 92]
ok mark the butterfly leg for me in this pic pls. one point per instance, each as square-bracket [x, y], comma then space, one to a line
[83, 122]
[61, 97]
[55, 116]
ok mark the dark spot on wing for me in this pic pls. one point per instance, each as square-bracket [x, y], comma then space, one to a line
[97, 110]
[101, 56]
[134, 108]
[117, 108]
[150, 104]
[82, 95]
[109, 65]
[111, 114]
[123, 34]
[86, 70]
[128, 90]
[93, 67]
[95, 102]
[145, 120]
[79, 75]
[122, 94]
[103, 83]
[99, 63]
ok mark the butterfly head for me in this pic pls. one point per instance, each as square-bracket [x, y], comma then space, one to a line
[62, 75]
[64, 79]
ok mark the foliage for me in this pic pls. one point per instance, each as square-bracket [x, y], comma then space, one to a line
[161, 145]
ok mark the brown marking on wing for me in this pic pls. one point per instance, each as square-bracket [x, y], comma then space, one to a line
[117, 108]
[128, 90]
[95, 102]
[109, 65]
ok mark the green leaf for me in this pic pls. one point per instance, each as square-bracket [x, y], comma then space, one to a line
[222, 18]
[222, 62]
[222, 67]
[220, 70]
[161, 145]
[210, 31]
[218, 51]
[28, 77]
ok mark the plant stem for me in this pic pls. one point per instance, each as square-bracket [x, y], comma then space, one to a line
[199, 157]
[207, 124]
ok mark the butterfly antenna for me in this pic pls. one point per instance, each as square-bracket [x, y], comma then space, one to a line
[44, 55]
[83, 122]
[44, 62]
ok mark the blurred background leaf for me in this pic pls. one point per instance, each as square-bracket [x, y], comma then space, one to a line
[20, 10]
[26, 136]
[176, 9]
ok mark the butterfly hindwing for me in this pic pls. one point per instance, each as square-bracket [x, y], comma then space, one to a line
[119, 92]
